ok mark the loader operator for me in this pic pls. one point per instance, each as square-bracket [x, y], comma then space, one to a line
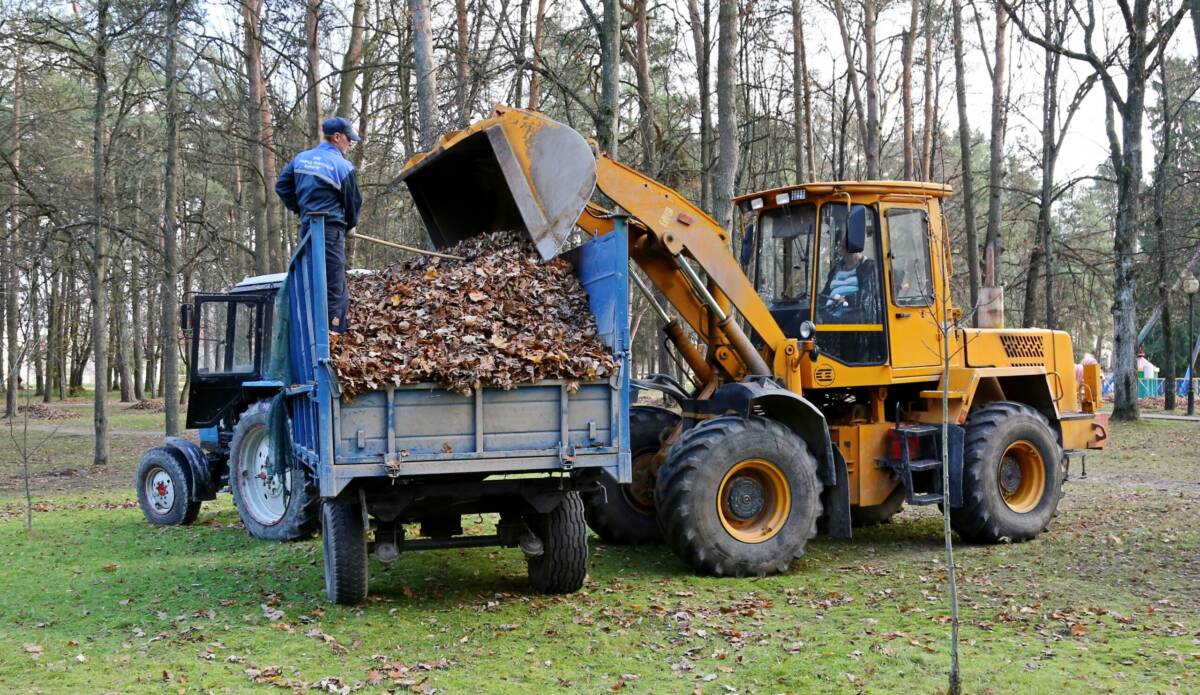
[322, 180]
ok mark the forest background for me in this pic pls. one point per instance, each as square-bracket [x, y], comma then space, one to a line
[141, 140]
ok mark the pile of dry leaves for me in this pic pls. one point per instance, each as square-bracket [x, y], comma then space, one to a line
[499, 318]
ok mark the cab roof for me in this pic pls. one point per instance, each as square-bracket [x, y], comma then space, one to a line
[801, 191]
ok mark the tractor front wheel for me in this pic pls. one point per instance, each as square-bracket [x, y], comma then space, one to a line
[1012, 475]
[739, 496]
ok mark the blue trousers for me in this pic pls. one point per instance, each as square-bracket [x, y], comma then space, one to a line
[335, 276]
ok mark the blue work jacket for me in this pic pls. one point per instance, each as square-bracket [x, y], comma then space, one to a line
[321, 180]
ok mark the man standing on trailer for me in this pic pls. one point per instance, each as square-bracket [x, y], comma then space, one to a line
[322, 180]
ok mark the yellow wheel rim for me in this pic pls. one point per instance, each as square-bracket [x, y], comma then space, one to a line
[753, 501]
[1022, 476]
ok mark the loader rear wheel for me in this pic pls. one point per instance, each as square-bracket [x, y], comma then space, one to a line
[345, 541]
[272, 506]
[880, 513]
[739, 496]
[562, 566]
[1012, 477]
[624, 514]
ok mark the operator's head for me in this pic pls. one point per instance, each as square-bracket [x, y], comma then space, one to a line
[850, 259]
[339, 132]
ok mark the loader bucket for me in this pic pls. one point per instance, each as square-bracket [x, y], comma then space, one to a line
[516, 169]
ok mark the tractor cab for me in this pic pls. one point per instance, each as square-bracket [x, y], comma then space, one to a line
[230, 342]
[851, 264]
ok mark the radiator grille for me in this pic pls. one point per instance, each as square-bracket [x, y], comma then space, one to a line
[1023, 346]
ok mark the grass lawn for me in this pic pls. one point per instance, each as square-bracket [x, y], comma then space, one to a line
[1108, 600]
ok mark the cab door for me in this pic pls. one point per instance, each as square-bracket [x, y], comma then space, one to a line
[912, 312]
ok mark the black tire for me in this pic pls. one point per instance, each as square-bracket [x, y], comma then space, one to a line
[879, 513]
[615, 512]
[164, 489]
[299, 519]
[690, 508]
[562, 566]
[997, 507]
[345, 541]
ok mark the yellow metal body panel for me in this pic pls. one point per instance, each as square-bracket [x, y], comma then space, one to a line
[863, 445]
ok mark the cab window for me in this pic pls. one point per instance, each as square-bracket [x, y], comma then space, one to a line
[849, 282]
[784, 265]
[226, 337]
[908, 250]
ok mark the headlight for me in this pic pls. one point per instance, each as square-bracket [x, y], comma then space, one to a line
[807, 329]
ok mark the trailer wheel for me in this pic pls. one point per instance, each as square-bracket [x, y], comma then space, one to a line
[879, 513]
[1012, 479]
[345, 541]
[739, 496]
[562, 566]
[164, 490]
[280, 507]
[624, 514]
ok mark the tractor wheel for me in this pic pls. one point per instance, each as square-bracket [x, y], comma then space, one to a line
[879, 513]
[164, 490]
[280, 507]
[345, 541]
[562, 566]
[624, 514]
[1012, 477]
[739, 496]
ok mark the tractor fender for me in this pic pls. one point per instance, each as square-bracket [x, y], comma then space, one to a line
[195, 464]
[763, 398]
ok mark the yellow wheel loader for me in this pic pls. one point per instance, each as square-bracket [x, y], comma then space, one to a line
[821, 376]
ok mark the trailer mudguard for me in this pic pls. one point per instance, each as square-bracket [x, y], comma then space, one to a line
[762, 397]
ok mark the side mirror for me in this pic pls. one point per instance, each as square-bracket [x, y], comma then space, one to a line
[856, 230]
[185, 317]
[747, 245]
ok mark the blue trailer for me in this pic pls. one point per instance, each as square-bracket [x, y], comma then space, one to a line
[359, 469]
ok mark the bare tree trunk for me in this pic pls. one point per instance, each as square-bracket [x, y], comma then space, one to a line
[964, 144]
[839, 11]
[992, 248]
[312, 73]
[801, 104]
[1049, 159]
[121, 323]
[1163, 251]
[135, 286]
[727, 125]
[168, 300]
[700, 40]
[1194, 9]
[927, 122]
[13, 282]
[522, 31]
[609, 32]
[100, 236]
[535, 76]
[906, 89]
[641, 24]
[872, 145]
[426, 73]
[258, 187]
[351, 61]
[462, 61]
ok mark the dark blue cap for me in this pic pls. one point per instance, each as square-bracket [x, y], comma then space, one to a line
[337, 124]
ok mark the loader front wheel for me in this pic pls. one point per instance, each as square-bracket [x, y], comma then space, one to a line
[273, 505]
[624, 514]
[345, 541]
[561, 568]
[1012, 475]
[739, 496]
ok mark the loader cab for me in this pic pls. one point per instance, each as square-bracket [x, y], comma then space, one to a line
[229, 345]
[852, 266]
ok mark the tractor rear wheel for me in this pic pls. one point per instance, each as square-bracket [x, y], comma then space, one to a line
[1012, 475]
[273, 506]
[624, 514]
[739, 496]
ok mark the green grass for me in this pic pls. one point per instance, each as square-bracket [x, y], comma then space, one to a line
[1107, 601]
